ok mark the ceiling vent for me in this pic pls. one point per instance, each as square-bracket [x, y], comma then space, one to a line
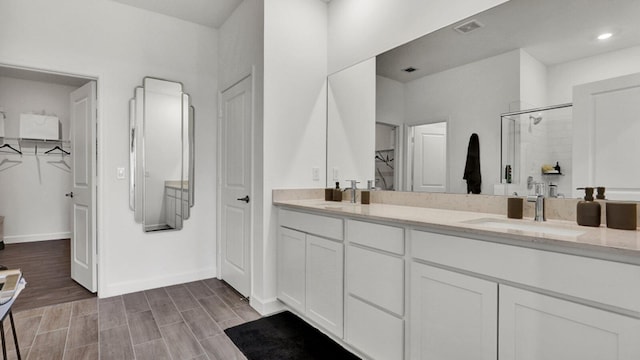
[410, 69]
[468, 27]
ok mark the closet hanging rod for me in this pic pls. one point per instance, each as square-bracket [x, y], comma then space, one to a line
[64, 142]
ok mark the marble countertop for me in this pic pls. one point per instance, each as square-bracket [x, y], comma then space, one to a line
[177, 184]
[554, 235]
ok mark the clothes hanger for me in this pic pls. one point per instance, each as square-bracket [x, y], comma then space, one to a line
[12, 148]
[58, 148]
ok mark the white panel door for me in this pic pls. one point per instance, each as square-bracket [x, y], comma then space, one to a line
[535, 327]
[453, 316]
[291, 268]
[236, 186]
[430, 157]
[324, 282]
[83, 140]
[606, 124]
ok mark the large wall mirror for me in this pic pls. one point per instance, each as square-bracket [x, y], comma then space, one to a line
[519, 58]
[161, 155]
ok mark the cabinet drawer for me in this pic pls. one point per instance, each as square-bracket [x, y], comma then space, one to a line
[170, 191]
[312, 224]
[373, 331]
[377, 278]
[596, 280]
[382, 237]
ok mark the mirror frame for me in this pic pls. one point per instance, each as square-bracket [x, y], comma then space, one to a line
[137, 164]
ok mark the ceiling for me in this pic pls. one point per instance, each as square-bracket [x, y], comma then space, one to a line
[211, 13]
[552, 31]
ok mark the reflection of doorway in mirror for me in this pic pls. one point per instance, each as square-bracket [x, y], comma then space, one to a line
[428, 157]
[386, 156]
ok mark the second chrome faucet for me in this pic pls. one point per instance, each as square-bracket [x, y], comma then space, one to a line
[353, 189]
[538, 198]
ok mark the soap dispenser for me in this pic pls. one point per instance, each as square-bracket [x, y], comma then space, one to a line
[588, 211]
[337, 193]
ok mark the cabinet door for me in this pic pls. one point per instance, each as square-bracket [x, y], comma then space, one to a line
[291, 248]
[170, 210]
[535, 326]
[324, 303]
[453, 316]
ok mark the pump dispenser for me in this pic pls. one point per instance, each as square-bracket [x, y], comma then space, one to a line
[588, 211]
[337, 193]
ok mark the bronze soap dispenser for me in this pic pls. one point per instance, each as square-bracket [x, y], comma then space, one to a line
[588, 211]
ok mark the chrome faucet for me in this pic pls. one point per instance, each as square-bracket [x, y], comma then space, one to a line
[538, 198]
[353, 189]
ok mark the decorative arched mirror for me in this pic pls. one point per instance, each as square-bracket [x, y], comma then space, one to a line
[161, 155]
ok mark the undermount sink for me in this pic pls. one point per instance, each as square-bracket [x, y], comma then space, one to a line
[528, 227]
[341, 206]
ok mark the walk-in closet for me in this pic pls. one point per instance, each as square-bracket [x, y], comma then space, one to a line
[36, 182]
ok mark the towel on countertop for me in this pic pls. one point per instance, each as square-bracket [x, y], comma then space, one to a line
[472, 168]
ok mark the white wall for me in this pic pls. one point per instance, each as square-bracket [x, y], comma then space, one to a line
[351, 120]
[295, 70]
[120, 45]
[360, 29]
[533, 82]
[471, 97]
[32, 191]
[389, 101]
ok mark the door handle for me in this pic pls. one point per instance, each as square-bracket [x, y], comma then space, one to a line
[245, 199]
[69, 194]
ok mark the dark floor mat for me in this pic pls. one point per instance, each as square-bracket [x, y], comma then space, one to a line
[284, 336]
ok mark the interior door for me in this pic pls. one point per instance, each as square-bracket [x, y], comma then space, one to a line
[236, 186]
[430, 157]
[83, 140]
[605, 136]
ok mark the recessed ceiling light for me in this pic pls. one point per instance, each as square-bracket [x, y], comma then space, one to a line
[604, 36]
[409, 69]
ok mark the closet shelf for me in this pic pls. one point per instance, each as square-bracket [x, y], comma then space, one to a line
[52, 141]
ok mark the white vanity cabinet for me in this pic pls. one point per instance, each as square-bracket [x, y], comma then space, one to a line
[176, 205]
[375, 289]
[551, 305]
[535, 326]
[453, 316]
[291, 252]
[411, 291]
[310, 267]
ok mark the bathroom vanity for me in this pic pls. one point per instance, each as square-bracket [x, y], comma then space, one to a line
[400, 282]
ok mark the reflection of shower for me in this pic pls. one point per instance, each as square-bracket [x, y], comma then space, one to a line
[536, 119]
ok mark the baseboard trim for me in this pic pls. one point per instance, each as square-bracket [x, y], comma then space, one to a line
[266, 307]
[127, 287]
[16, 239]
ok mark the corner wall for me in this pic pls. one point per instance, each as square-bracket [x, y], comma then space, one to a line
[120, 45]
[295, 97]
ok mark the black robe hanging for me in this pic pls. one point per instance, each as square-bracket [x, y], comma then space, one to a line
[472, 168]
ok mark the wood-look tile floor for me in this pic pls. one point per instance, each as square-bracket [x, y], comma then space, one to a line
[46, 265]
[177, 322]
